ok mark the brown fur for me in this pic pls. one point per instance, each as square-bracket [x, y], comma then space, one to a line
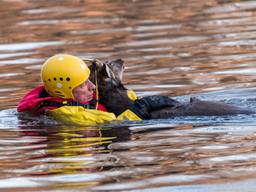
[113, 95]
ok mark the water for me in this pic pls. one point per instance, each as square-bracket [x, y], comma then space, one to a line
[180, 48]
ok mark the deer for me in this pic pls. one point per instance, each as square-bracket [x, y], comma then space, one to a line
[113, 95]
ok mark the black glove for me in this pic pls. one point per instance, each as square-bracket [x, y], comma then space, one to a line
[142, 107]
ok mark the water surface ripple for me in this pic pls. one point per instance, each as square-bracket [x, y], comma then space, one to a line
[177, 48]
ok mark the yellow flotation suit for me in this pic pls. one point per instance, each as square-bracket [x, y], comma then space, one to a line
[82, 116]
[128, 114]
[132, 95]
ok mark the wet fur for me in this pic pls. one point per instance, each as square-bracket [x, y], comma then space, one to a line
[113, 95]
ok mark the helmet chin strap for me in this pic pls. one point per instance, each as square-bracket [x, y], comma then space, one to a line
[97, 89]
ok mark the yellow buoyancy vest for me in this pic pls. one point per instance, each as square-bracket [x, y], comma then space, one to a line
[82, 116]
[132, 95]
[128, 115]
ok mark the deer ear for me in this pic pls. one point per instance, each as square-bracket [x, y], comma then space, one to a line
[98, 63]
[108, 72]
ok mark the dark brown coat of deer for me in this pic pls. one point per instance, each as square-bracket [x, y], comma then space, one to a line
[113, 95]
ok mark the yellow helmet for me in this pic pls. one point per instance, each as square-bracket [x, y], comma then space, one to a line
[62, 73]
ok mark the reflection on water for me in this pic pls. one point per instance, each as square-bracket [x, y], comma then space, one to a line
[117, 157]
[177, 48]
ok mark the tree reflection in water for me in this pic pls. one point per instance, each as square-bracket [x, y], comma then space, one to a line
[175, 48]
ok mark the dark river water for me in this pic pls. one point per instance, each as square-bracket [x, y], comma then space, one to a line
[179, 48]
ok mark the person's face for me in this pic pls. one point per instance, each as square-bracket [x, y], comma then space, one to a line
[84, 92]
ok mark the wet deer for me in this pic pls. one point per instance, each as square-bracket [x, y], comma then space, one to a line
[113, 95]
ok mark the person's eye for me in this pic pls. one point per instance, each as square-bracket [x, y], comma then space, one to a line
[82, 86]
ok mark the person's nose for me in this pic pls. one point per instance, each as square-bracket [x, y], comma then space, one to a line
[91, 85]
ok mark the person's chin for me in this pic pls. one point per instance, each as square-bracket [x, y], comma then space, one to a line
[85, 99]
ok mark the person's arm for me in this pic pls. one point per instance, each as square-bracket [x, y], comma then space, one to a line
[80, 115]
[144, 106]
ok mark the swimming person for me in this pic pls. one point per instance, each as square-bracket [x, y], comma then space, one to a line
[67, 94]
